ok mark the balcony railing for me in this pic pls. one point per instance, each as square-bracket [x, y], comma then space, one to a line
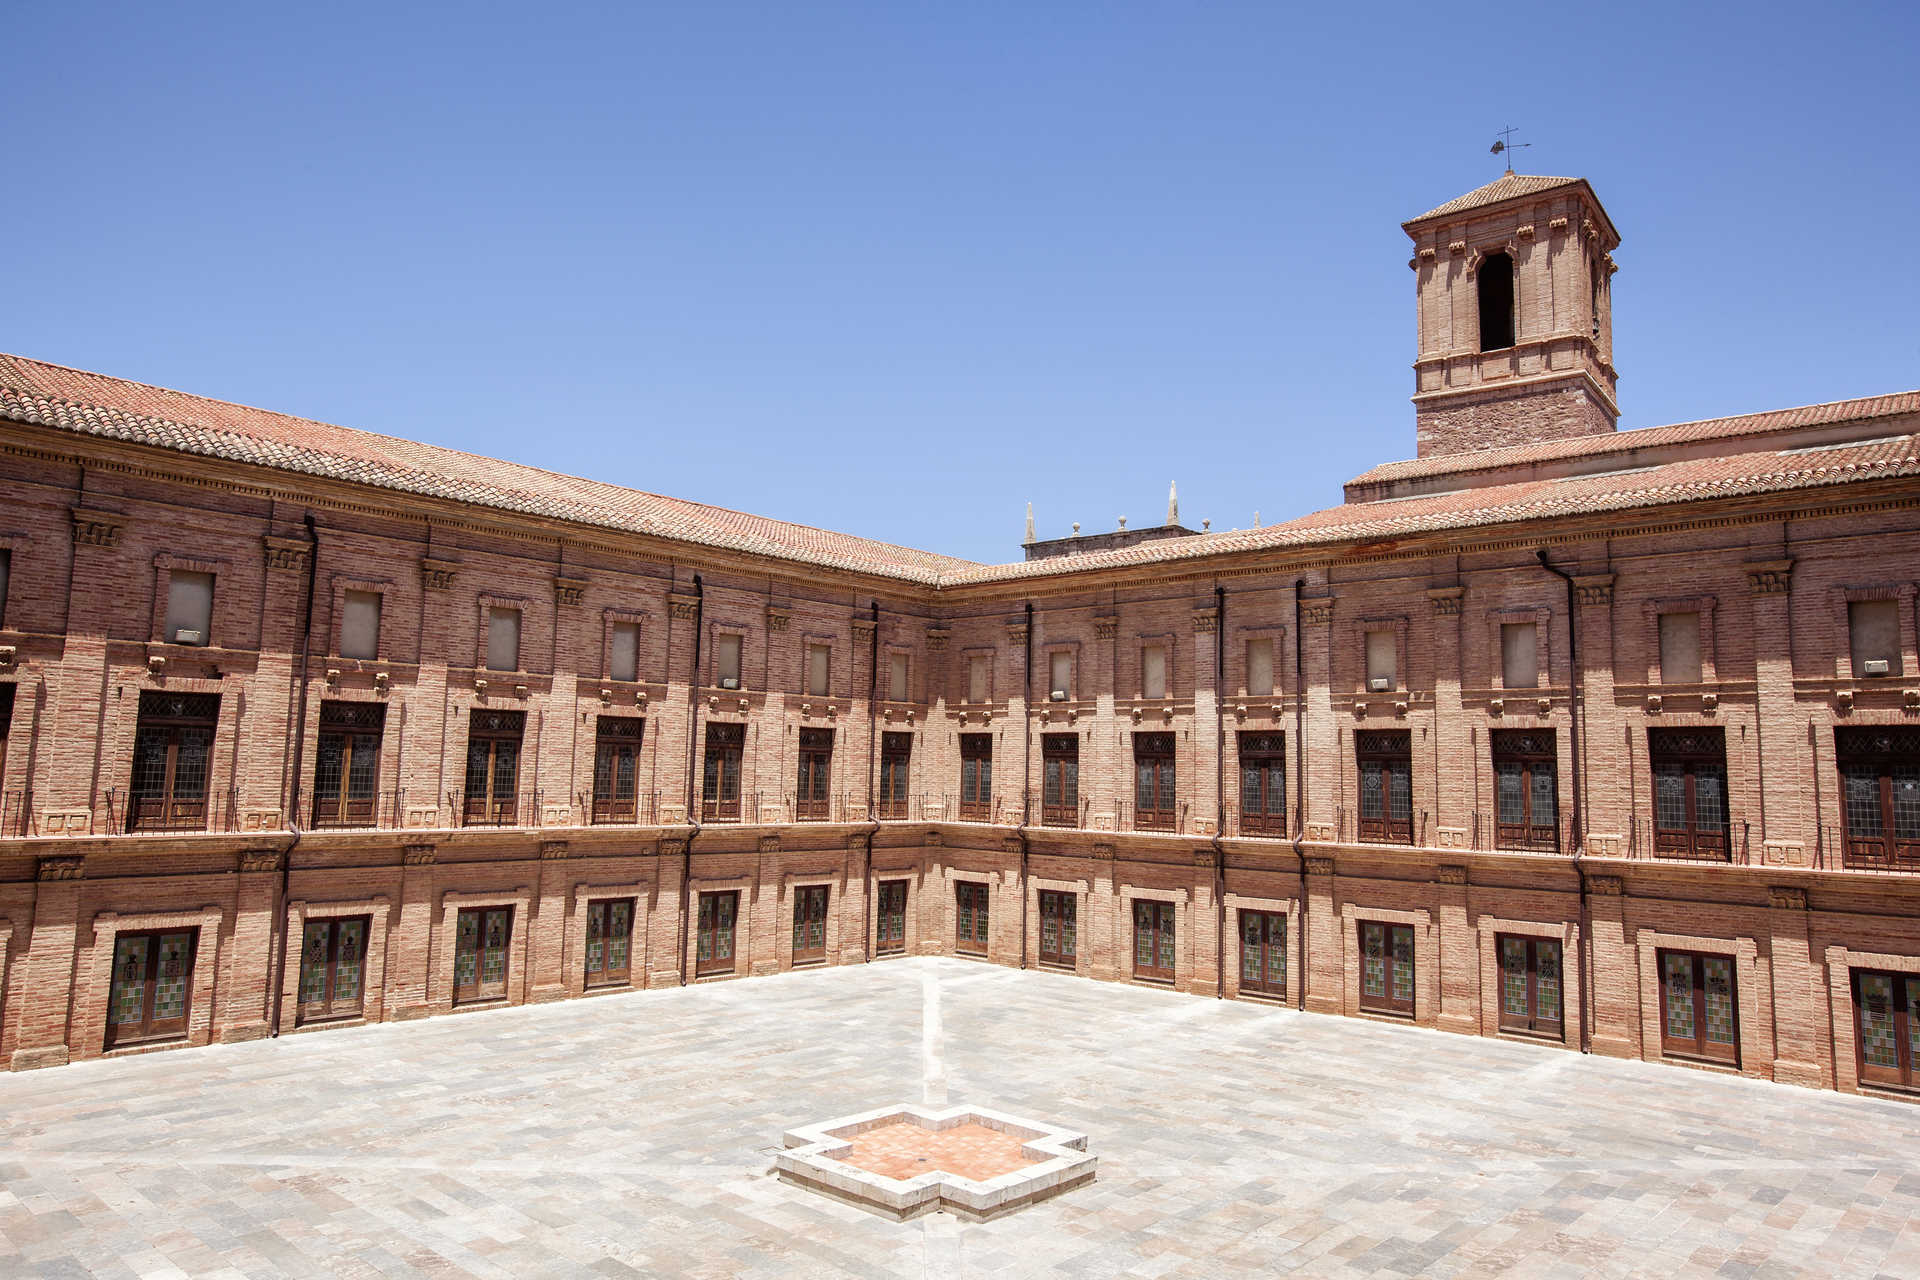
[1352, 828]
[1127, 817]
[16, 813]
[379, 811]
[1839, 848]
[1059, 811]
[639, 809]
[522, 810]
[1488, 832]
[1260, 826]
[1728, 845]
[731, 808]
[147, 813]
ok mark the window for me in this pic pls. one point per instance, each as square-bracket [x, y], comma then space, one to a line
[333, 968]
[890, 919]
[1873, 630]
[616, 769]
[152, 986]
[897, 688]
[1530, 991]
[1526, 810]
[6, 723]
[1699, 1007]
[346, 767]
[1385, 759]
[810, 924]
[189, 608]
[1689, 792]
[1263, 953]
[1153, 671]
[818, 657]
[1386, 968]
[1263, 784]
[896, 754]
[1154, 803]
[1060, 780]
[1495, 288]
[360, 624]
[978, 688]
[172, 749]
[714, 938]
[1059, 941]
[1680, 648]
[1519, 655]
[503, 639]
[480, 940]
[1060, 675]
[1260, 668]
[6, 577]
[976, 777]
[1383, 660]
[1153, 938]
[811, 800]
[970, 918]
[720, 784]
[1886, 1010]
[623, 651]
[726, 659]
[609, 942]
[493, 768]
[1880, 792]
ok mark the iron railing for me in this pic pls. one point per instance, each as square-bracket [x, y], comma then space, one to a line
[639, 809]
[1837, 849]
[16, 813]
[520, 810]
[1646, 844]
[380, 810]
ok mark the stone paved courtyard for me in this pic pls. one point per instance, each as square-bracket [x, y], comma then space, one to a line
[632, 1135]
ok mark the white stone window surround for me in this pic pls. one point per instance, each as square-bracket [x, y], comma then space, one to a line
[1123, 945]
[1082, 954]
[1841, 962]
[1705, 606]
[373, 983]
[1426, 959]
[573, 951]
[1755, 1019]
[1290, 908]
[791, 881]
[452, 903]
[1487, 930]
[1542, 619]
[742, 925]
[107, 927]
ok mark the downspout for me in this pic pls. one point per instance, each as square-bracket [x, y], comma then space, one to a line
[1300, 747]
[277, 927]
[693, 800]
[1219, 791]
[1026, 772]
[1579, 826]
[873, 748]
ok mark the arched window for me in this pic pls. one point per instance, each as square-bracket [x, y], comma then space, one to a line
[1496, 302]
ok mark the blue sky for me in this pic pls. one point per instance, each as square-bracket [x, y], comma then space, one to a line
[896, 268]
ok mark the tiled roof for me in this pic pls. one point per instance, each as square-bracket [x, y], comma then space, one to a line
[1505, 187]
[92, 404]
[1755, 424]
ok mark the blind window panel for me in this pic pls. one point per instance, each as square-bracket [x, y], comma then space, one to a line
[897, 677]
[503, 639]
[1260, 668]
[1680, 648]
[817, 659]
[976, 679]
[189, 607]
[726, 656]
[6, 571]
[1383, 658]
[360, 625]
[623, 656]
[1060, 673]
[1519, 655]
[1874, 632]
[1153, 671]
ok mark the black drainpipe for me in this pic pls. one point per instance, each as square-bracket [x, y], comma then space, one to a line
[693, 799]
[1026, 773]
[1579, 827]
[1219, 791]
[873, 748]
[1300, 747]
[277, 927]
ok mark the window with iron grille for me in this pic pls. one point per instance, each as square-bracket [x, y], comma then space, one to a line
[172, 754]
[1263, 783]
[1880, 793]
[616, 768]
[493, 767]
[1060, 779]
[346, 764]
[1689, 793]
[976, 777]
[1526, 808]
[1155, 804]
[1385, 760]
[720, 783]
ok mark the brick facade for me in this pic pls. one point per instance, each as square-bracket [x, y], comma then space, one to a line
[97, 523]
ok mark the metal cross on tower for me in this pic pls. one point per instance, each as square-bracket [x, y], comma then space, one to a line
[1505, 145]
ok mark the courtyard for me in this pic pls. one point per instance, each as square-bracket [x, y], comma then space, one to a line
[633, 1134]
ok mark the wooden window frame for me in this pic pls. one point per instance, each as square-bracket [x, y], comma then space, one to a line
[1158, 751]
[972, 918]
[1058, 911]
[1698, 1049]
[1267, 754]
[176, 813]
[976, 790]
[337, 805]
[893, 795]
[328, 1007]
[487, 807]
[813, 776]
[1060, 780]
[151, 1030]
[614, 741]
[1391, 750]
[1387, 1003]
[1531, 1022]
[1885, 750]
[1528, 749]
[725, 741]
[1693, 841]
[707, 931]
[1256, 927]
[598, 918]
[475, 992]
[1904, 1075]
[884, 890]
[1161, 921]
[812, 904]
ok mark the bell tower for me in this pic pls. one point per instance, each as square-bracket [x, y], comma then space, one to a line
[1515, 320]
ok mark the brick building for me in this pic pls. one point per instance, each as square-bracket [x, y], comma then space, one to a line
[1606, 739]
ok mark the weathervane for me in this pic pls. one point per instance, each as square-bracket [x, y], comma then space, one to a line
[1505, 145]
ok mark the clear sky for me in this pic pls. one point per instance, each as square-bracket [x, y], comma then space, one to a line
[896, 268]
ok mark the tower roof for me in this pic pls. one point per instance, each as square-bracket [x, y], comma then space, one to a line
[1507, 186]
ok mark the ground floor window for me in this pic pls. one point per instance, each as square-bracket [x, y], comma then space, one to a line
[1885, 1008]
[1059, 933]
[970, 918]
[1263, 952]
[609, 942]
[333, 967]
[890, 921]
[1699, 1006]
[1153, 939]
[809, 923]
[714, 945]
[480, 941]
[152, 986]
[1530, 986]
[1386, 968]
